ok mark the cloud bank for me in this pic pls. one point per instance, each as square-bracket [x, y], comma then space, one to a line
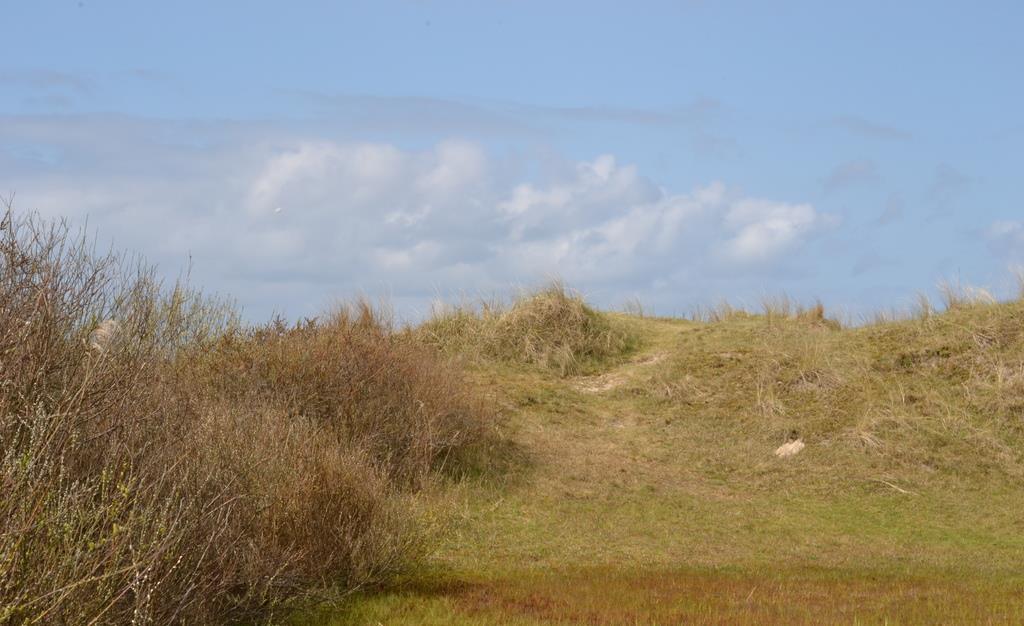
[285, 222]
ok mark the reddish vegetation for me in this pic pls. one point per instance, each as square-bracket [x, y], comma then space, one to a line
[610, 597]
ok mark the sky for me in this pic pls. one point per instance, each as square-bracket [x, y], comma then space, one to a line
[680, 153]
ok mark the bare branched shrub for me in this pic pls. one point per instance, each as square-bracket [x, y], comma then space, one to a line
[375, 388]
[162, 463]
[96, 521]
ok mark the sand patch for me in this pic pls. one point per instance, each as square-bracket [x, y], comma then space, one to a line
[790, 449]
[612, 380]
[598, 384]
[650, 359]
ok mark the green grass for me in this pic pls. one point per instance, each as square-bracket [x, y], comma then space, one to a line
[647, 491]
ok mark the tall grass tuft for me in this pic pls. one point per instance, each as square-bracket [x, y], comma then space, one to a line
[774, 309]
[957, 295]
[1018, 274]
[552, 327]
[781, 307]
[187, 468]
[721, 312]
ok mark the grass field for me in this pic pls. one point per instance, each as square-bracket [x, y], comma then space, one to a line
[644, 489]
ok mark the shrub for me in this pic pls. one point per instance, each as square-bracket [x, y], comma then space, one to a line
[187, 468]
[372, 387]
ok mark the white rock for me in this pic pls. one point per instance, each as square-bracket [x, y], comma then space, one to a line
[790, 449]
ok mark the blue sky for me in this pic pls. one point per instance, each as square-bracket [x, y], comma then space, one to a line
[679, 152]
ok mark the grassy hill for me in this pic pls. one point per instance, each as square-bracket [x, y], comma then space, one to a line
[643, 488]
[528, 462]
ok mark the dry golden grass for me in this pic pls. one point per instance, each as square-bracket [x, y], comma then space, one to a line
[956, 295]
[652, 494]
[773, 309]
[1018, 274]
[552, 327]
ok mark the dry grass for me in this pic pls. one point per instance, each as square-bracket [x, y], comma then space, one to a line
[774, 309]
[609, 596]
[721, 312]
[551, 327]
[634, 307]
[1018, 275]
[188, 469]
[957, 295]
[658, 499]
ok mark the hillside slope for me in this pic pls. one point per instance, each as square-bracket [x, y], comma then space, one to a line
[647, 491]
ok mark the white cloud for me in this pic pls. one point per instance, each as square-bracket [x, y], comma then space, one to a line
[299, 176]
[374, 216]
[650, 232]
[1008, 229]
[1006, 237]
[453, 167]
[765, 229]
